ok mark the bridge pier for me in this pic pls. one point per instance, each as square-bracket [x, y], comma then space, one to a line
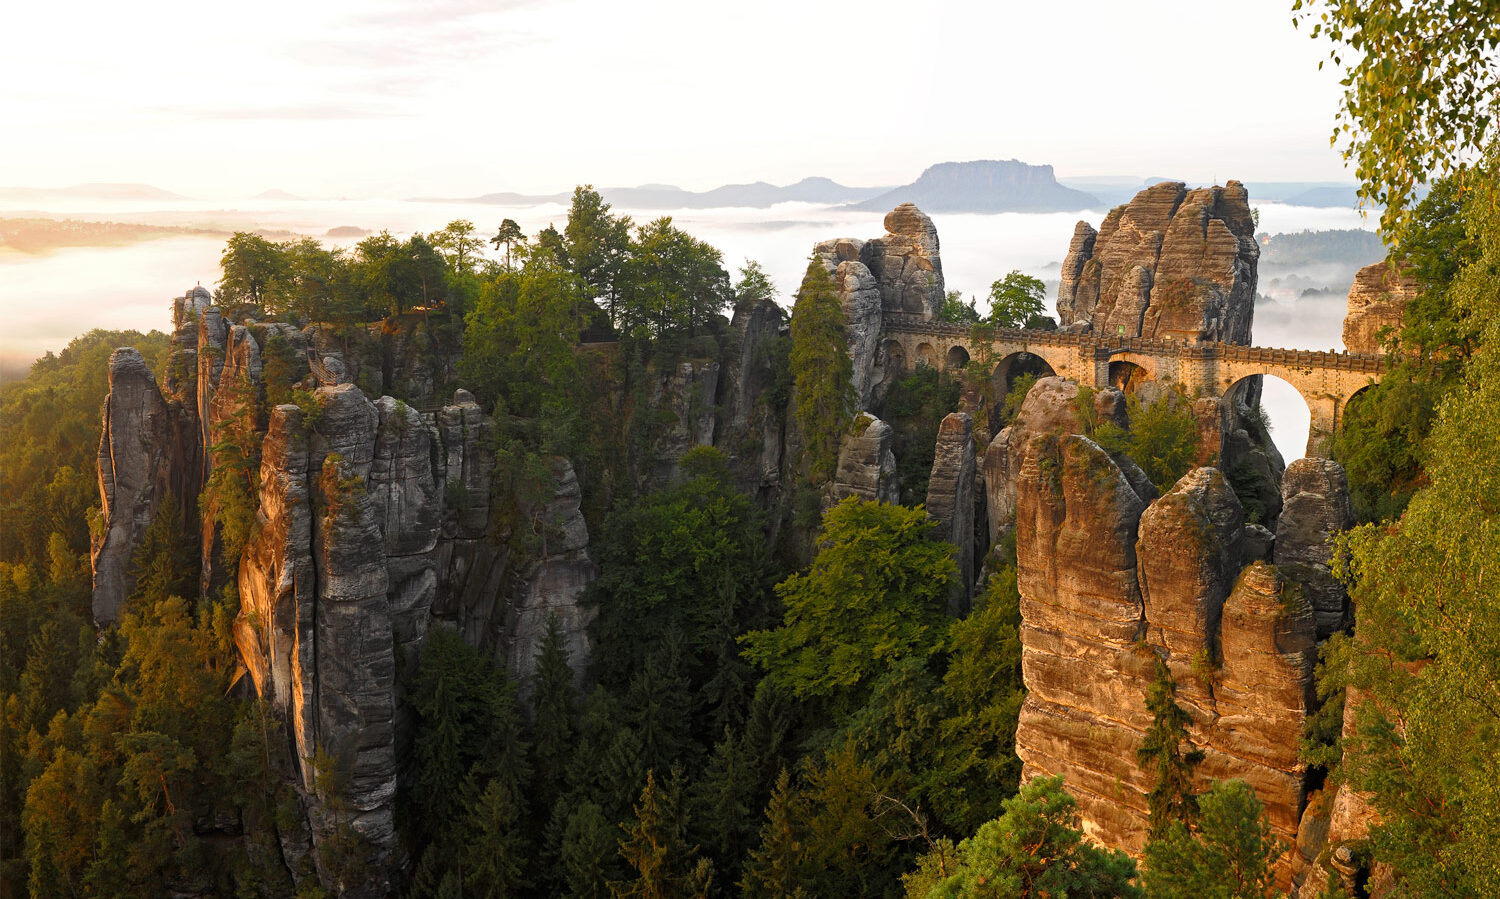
[1322, 427]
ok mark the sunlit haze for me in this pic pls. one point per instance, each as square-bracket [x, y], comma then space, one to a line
[456, 97]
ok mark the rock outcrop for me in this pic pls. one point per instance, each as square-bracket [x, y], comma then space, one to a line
[1107, 584]
[685, 396]
[1315, 507]
[1377, 300]
[1073, 308]
[900, 273]
[1051, 407]
[135, 475]
[907, 263]
[750, 431]
[950, 497]
[867, 465]
[1170, 263]
[553, 585]
[372, 523]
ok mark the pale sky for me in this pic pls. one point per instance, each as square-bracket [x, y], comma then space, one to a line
[461, 97]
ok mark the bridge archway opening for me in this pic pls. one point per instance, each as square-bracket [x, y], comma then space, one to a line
[958, 357]
[1127, 377]
[926, 355]
[1009, 371]
[1265, 405]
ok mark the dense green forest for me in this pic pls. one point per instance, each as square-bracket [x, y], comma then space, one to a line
[752, 722]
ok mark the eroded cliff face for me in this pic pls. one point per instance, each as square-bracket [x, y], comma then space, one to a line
[1108, 582]
[867, 465]
[951, 499]
[1377, 300]
[373, 521]
[1170, 263]
[135, 475]
[900, 273]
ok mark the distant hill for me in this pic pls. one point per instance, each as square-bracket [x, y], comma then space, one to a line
[1350, 246]
[757, 195]
[275, 193]
[985, 185]
[89, 192]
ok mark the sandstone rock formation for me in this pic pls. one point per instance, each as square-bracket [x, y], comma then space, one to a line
[1073, 307]
[1049, 408]
[135, 475]
[900, 273]
[867, 465]
[1107, 583]
[950, 496]
[750, 431]
[1170, 263]
[1377, 300]
[554, 583]
[373, 523]
[687, 396]
[908, 264]
[1315, 507]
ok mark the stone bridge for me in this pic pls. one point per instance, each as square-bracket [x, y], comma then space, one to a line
[1326, 381]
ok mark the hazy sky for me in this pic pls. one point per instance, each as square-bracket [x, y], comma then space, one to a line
[457, 97]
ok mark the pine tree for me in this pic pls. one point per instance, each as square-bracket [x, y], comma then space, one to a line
[655, 848]
[774, 868]
[588, 851]
[1161, 752]
[554, 703]
[495, 850]
[822, 373]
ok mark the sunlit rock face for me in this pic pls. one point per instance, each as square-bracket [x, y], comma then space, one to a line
[135, 475]
[1377, 300]
[1170, 263]
[907, 263]
[1111, 580]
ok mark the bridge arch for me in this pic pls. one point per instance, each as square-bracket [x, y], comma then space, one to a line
[958, 356]
[926, 355]
[1288, 417]
[1011, 369]
[1127, 376]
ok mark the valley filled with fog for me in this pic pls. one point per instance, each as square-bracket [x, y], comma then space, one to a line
[49, 297]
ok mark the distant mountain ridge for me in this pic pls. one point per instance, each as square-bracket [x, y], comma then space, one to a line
[756, 195]
[985, 185]
[90, 192]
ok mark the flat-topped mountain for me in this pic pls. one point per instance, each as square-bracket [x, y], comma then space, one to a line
[986, 185]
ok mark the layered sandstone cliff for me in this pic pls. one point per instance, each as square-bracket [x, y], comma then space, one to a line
[1172, 263]
[1111, 576]
[1377, 300]
[372, 522]
[900, 273]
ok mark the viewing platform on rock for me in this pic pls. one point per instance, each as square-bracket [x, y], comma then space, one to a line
[1327, 381]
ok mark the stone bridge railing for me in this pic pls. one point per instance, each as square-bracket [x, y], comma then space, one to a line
[1326, 380]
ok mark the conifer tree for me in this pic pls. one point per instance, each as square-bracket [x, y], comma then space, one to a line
[1161, 752]
[656, 850]
[774, 867]
[495, 849]
[588, 849]
[554, 702]
[822, 373]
